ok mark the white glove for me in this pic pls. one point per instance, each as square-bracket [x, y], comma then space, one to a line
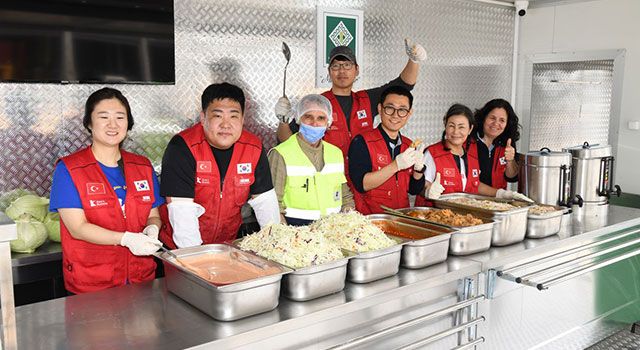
[415, 52]
[506, 194]
[420, 162]
[283, 110]
[151, 231]
[266, 207]
[408, 158]
[183, 217]
[139, 244]
[436, 189]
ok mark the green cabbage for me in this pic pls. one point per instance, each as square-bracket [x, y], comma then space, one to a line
[28, 204]
[52, 223]
[31, 235]
[8, 197]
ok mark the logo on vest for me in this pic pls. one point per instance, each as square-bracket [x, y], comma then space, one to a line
[502, 161]
[146, 198]
[448, 183]
[382, 158]
[97, 203]
[364, 124]
[244, 168]
[95, 188]
[243, 181]
[203, 167]
[202, 180]
[474, 172]
[337, 195]
[362, 114]
[141, 185]
[449, 172]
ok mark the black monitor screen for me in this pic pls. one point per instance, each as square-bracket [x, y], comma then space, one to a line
[87, 41]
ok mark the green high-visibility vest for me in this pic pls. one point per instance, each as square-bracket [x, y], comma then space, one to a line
[309, 194]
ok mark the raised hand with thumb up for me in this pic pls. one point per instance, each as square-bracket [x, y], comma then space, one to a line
[509, 151]
[436, 189]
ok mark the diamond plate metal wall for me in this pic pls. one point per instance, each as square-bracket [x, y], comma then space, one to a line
[570, 103]
[469, 46]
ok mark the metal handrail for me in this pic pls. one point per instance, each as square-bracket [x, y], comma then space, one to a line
[548, 283]
[570, 263]
[470, 344]
[565, 253]
[442, 334]
[389, 330]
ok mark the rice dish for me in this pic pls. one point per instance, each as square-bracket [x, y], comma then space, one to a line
[352, 231]
[292, 246]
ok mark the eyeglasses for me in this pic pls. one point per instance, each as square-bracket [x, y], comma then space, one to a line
[402, 112]
[345, 66]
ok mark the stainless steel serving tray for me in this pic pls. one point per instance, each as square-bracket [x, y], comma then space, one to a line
[418, 252]
[377, 264]
[225, 303]
[545, 225]
[510, 225]
[314, 281]
[464, 240]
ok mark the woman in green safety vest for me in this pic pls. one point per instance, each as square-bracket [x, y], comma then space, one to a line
[308, 173]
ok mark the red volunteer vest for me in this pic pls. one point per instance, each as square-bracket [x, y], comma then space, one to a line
[393, 193]
[450, 177]
[222, 217]
[498, 169]
[89, 267]
[361, 120]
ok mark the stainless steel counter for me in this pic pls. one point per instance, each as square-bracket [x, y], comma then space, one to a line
[147, 316]
[49, 251]
[582, 226]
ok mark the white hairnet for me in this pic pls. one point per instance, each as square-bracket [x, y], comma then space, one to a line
[314, 102]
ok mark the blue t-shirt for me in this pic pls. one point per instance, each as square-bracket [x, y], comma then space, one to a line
[64, 193]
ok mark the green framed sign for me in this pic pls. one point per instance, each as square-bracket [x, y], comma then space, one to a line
[336, 27]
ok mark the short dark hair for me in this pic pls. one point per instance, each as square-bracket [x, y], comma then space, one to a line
[510, 131]
[396, 90]
[105, 94]
[220, 92]
[457, 109]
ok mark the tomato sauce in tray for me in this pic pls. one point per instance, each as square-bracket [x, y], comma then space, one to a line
[404, 231]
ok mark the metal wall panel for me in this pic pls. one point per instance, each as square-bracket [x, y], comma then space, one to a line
[570, 103]
[469, 46]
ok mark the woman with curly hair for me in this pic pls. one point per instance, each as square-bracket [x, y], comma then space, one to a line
[496, 135]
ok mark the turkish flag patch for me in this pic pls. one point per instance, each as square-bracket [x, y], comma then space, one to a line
[203, 167]
[95, 188]
[448, 172]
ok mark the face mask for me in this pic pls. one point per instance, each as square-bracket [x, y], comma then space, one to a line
[312, 134]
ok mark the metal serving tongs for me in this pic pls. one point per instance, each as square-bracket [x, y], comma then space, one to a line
[401, 214]
[234, 255]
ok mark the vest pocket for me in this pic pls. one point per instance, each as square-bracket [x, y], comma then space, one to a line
[95, 267]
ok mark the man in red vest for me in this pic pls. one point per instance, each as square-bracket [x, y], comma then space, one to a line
[353, 112]
[210, 170]
[385, 167]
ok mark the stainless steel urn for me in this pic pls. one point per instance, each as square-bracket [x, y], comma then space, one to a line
[592, 175]
[547, 177]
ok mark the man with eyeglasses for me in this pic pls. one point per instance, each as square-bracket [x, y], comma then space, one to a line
[353, 112]
[384, 166]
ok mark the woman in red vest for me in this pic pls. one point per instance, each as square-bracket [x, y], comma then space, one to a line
[496, 133]
[107, 199]
[452, 164]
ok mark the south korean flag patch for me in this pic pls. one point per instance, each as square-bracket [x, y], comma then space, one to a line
[362, 114]
[141, 185]
[244, 168]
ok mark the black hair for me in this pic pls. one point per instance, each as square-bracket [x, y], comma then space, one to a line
[220, 92]
[510, 131]
[396, 90]
[457, 109]
[105, 94]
